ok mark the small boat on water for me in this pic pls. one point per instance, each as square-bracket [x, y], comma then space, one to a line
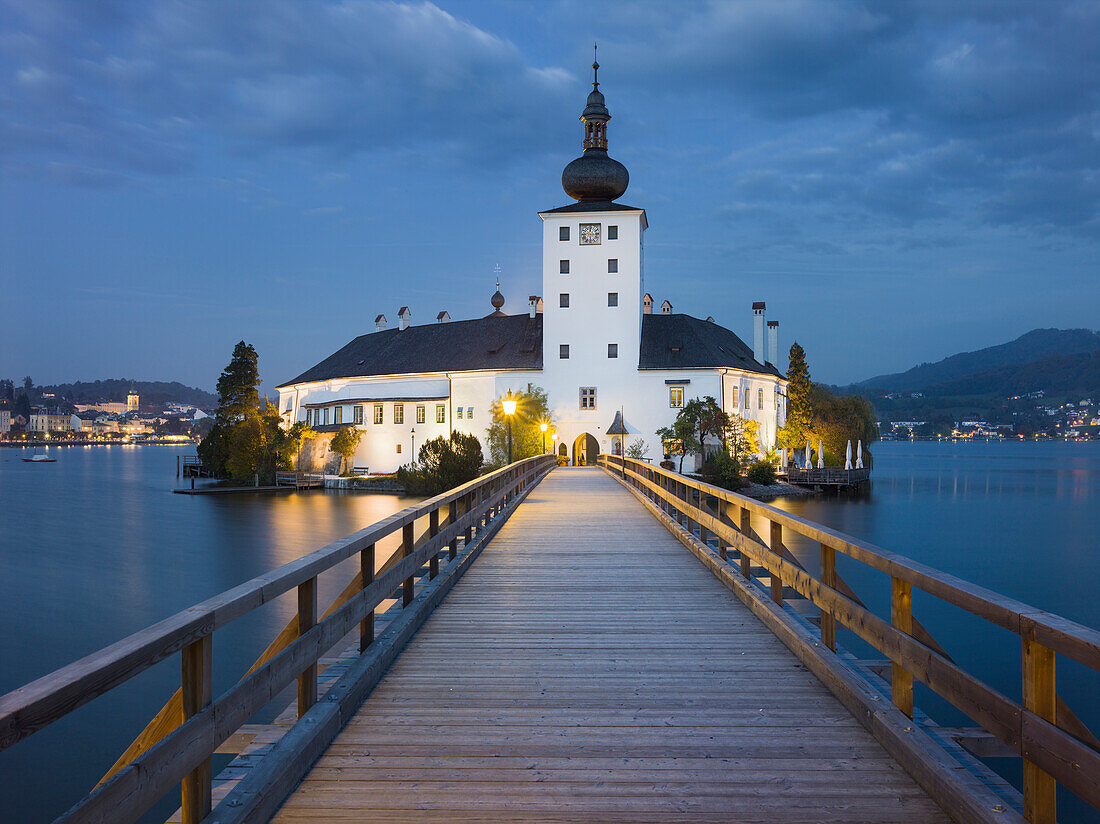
[39, 457]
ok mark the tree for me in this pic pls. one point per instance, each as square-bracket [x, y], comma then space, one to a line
[28, 384]
[679, 438]
[532, 409]
[7, 390]
[838, 420]
[344, 443]
[800, 410]
[637, 449]
[708, 419]
[443, 463]
[742, 438]
[238, 386]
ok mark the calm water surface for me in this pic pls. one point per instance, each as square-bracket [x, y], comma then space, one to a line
[94, 547]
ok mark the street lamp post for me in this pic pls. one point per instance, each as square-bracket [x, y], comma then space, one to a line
[508, 404]
[544, 426]
[412, 445]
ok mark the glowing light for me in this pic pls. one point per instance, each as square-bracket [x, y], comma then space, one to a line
[544, 426]
[509, 404]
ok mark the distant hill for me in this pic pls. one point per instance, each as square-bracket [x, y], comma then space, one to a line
[150, 392]
[994, 367]
[1056, 375]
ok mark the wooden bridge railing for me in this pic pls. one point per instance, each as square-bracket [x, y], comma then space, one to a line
[1057, 748]
[178, 743]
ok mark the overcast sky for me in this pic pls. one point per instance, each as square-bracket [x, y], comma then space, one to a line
[899, 181]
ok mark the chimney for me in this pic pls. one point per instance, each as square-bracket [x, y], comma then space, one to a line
[758, 331]
[666, 308]
[647, 304]
[380, 323]
[403, 317]
[538, 306]
[443, 317]
[532, 305]
[773, 343]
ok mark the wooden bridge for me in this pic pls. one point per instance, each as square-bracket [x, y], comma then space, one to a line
[627, 647]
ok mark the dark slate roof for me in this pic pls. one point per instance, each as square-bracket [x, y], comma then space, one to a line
[592, 206]
[495, 342]
[702, 344]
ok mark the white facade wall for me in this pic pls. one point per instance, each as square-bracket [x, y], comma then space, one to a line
[5, 421]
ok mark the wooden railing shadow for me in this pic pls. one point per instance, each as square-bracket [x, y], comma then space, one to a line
[1056, 747]
[177, 744]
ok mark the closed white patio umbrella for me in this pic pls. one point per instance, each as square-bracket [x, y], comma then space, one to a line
[820, 454]
[859, 454]
[848, 457]
[809, 459]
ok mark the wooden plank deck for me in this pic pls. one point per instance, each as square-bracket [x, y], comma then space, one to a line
[588, 668]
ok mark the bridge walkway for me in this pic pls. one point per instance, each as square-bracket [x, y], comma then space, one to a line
[588, 668]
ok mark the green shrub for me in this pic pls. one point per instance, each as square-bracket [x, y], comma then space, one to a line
[722, 470]
[444, 463]
[563, 461]
[763, 473]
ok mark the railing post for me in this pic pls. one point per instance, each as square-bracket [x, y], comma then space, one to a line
[468, 536]
[366, 626]
[452, 519]
[1040, 788]
[901, 616]
[704, 506]
[745, 528]
[433, 530]
[776, 546]
[723, 513]
[197, 686]
[307, 618]
[828, 577]
[406, 551]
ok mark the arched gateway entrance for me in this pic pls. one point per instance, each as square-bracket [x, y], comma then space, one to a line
[585, 450]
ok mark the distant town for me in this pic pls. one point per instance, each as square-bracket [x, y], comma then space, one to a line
[1021, 419]
[30, 414]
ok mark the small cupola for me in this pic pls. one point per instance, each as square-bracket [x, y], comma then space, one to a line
[404, 317]
[647, 304]
[666, 308]
[380, 323]
[443, 317]
[532, 305]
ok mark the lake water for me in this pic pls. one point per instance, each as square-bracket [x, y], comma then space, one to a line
[94, 547]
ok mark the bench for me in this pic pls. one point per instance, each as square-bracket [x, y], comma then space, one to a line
[360, 470]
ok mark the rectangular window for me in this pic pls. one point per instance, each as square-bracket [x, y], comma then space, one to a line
[759, 398]
[309, 417]
[745, 394]
[563, 351]
[563, 267]
[588, 397]
[378, 413]
[420, 414]
[440, 413]
[399, 449]
[734, 404]
[357, 414]
[612, 298]
[612, 232]
[563, 300]
[613, 350]
[673, 446]
[563, 233]
[399, 413]
[469, 413]
[458, 413]
[676, 397]
[612, 266]
[338, 415]
[326, 416]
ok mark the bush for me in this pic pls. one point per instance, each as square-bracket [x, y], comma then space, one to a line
[763, 473]
[722, 470]
[444, 463]
[563, 460]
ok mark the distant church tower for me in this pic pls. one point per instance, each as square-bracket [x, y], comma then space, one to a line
[592, 279]
[131, 400]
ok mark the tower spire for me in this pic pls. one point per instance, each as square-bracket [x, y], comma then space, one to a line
[595, 68]
[595, 176]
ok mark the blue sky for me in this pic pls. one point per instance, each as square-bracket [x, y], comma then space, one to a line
[899, 181]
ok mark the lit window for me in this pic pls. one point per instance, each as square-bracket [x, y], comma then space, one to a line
[420, 414]
[672, 446]
[734, 404]
[326, 416]
[613, 350]
[338, 414]
[458, 413]
[612, 265]
[563, 233]
[378, 413]
[399, 449]
[440, 413]
[399, 413]
[563, 300]
[563, 351]
[469, 413]
[612, 298]
[759, 398]
[675, 397]
[563, 267]
[612, 232]
[746, 396]
[357, 414]
[309, 417]
[588, 397]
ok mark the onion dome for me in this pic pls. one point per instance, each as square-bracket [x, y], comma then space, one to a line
[497, 299]
[594, 176]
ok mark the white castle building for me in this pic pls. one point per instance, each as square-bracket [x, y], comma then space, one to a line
[608, 362]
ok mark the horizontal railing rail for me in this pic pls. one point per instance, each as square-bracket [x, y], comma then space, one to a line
[1057, 748]
[178, 743]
